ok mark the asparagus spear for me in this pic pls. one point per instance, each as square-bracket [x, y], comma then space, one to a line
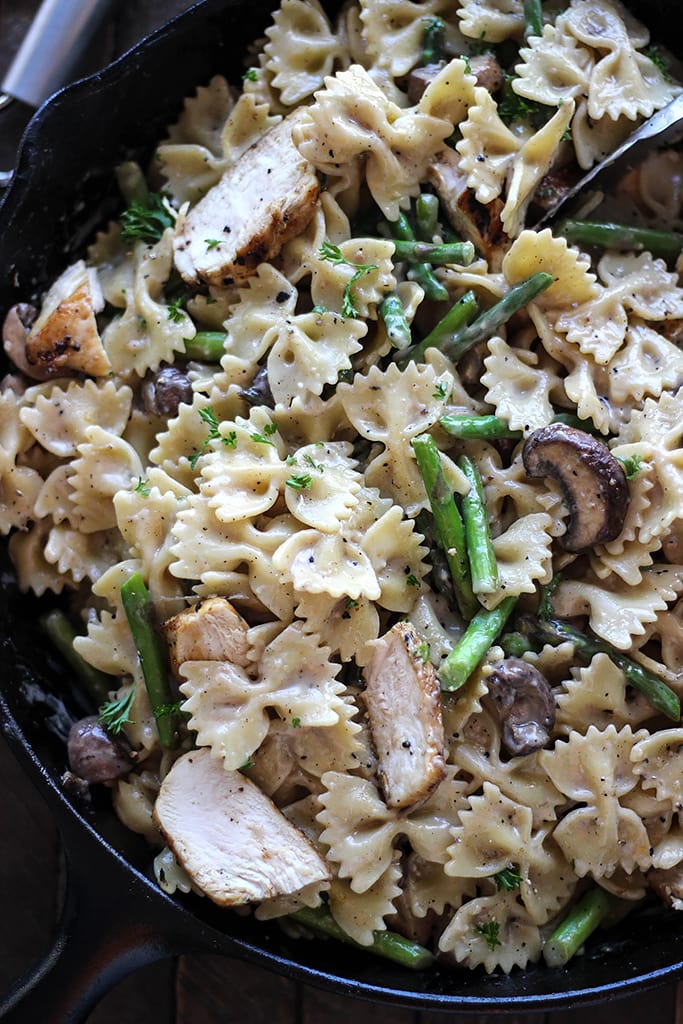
[579, 924]
[398, 328]
[206, 346]
[432, 40]
[62, 634]
[473, 644]
[533, 18]
[475, 515]
[557, 631]
[487, 428]
[457, 317]
[422, 273]
[426, 215]
[137, 605]
[493, 319]
[389, 945]
[461, 253]
[666, 244]
[447, 520]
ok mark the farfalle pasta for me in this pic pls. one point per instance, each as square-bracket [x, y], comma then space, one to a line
[393, 479]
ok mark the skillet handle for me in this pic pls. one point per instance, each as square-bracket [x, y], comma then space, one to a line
[110, 926]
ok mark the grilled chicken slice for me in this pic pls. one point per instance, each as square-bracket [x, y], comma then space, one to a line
[209, 631]
[477, 223]
[403, 699]
[264, 199]
[231, 839]
[64, 338]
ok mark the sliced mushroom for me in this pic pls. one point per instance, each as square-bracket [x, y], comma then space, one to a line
[485, 69]
[668, 884]
[258, 392]
[64, 337]
[403, 698]
[209, 631]
[525, 704]
[94, 754]
[593, 482]
[229, 837]
[268, 196]
[14, 334]
[478, 223]
[163, 391]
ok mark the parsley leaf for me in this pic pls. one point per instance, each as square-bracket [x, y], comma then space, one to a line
[333, 254]
[513, 108]
[175, 312]
[296, 722]
[631, 465]
[508, 880]
[314, 465]
[146, 221]
[209, 417]
[212, 243]
[440, 391]
[247, 764]
[489, 932]
[250, 75]
[300, 481]
[351, 603]
[654, 54]
[268, 431]
[142, 487]
[412, 580]
[114, 714]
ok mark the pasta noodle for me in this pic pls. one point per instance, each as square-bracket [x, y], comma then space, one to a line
[255, 452]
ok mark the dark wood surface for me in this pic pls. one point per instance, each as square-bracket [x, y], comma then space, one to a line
[195, 990]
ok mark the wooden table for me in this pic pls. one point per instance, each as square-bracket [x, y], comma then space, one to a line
[195, 990]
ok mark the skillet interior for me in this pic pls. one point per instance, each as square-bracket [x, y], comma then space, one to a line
[63, 188]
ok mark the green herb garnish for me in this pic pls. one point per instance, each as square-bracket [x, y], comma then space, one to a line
[114, 714]
[508, 880]
[300, 481]
[333, 254]
[146, 222]
[489, 932]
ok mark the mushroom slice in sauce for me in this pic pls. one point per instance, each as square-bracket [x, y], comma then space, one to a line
[525, 704]
[14, 334]
[668, 884]
[209, 631]
[593, 482]
[266, 197]
[403, 699]
[94, 754]
[230, 838]
[64, 338]
[484, 67]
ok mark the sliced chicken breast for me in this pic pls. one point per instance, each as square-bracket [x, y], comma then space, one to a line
[403, 699]
[209, 631]
[229, 837]
[264, 199]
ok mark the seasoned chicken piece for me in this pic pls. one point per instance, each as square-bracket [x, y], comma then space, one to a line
[403, 699]
[231, 839]
[264, 199]
[64, 338]
[209, 631]
[477, 223]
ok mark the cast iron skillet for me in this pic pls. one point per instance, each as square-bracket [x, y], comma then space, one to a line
[115, 919]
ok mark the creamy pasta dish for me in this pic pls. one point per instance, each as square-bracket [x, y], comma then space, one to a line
[364, 497]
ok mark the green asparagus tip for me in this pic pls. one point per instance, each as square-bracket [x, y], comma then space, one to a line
[387, 944]
[579, 924]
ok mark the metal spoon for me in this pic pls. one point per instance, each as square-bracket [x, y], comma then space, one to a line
[57, 39]
[665, 127]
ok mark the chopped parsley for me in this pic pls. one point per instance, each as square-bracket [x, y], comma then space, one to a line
[509, 880]
[212, 243]
[250, 75]
[263, 438]
[296, 722]
[513, 108]
[247, 764]
[631, 465]
[333, 254]
[654, 54]
[412, 580]
[300, 481]
[175, 312]
[142, 487]
[351, 604]
[209, 417]
[146, 222]
[545, 605]
[489, 933]
[440, 391]
[468, 67]
[314, 465]
[422, 651]
[114, 714]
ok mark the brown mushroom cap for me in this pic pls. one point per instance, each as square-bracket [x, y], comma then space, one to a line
[525, 704]
[593, 482]
[94, 754]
